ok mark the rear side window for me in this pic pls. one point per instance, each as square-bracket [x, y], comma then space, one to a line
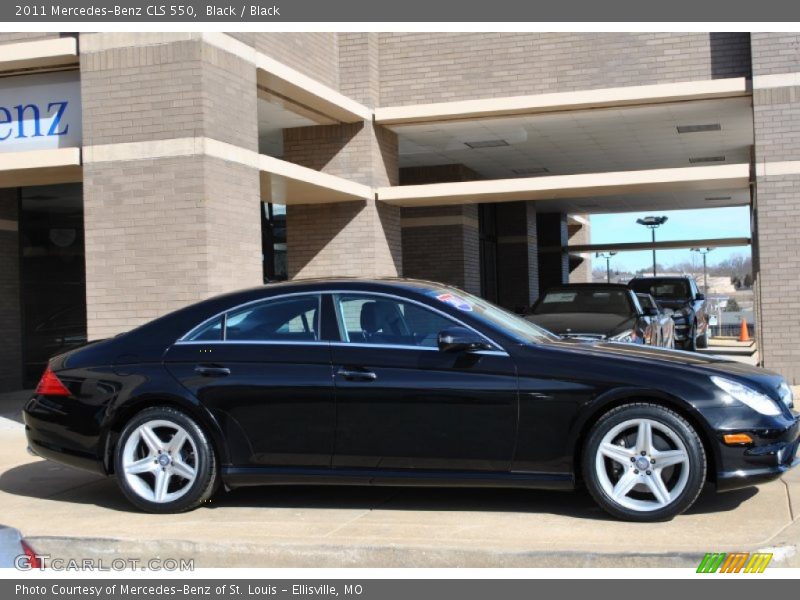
[294, 319]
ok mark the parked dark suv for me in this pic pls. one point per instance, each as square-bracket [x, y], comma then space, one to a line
[679, 294]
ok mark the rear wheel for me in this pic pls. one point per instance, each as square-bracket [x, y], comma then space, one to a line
[690, 343]
[702, 341]
[644, 462]
[164, 462]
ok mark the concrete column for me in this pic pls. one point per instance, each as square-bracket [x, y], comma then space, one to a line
[347, 238]
[553, 265]
[776, 247]
[442, 243]
[517, 263]
[10, 314]
[579, 232]
[162, 232]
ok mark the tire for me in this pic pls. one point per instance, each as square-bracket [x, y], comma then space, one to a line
[702, 341]
[690, 344]
[164, 462]
[682, 477]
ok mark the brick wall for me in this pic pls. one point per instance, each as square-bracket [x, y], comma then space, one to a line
[441, 243]
[165, 232]
[777, 252]
[580, 234]
[438, 67]
[315, 54]
[10, 317]
[348, 238]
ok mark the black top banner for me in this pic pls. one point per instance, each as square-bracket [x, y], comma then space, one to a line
[440, 11]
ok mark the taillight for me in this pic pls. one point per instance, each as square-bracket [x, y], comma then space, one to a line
[34, 562]
[50, 385]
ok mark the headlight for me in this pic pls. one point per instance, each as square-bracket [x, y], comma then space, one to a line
[756, 400]
[628, 336]
[786, 394]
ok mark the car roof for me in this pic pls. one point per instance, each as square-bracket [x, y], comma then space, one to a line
[569, 286]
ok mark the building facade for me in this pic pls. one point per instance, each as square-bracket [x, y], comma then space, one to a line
[142, 172]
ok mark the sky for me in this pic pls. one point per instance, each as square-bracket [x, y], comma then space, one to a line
[681, 225]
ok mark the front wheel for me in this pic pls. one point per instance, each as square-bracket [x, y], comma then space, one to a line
[644, 462]
[164, 462]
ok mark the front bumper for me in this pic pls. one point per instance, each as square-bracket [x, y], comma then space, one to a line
[773, 452]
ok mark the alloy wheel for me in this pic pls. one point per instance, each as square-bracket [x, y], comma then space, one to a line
[159, 461]
[642, 465]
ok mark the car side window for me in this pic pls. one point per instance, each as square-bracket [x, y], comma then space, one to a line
[367, 319]
[293, 319]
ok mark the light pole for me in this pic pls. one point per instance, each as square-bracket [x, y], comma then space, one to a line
[653, 223]
[704, 251]
[607, 256]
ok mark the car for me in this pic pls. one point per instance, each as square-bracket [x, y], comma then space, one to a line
[688, 305]
[402, 382]
[661, 328]
[594, 311]
[15, 552]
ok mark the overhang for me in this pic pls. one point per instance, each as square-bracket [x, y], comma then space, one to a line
[287, 183]
[39, 54]
[665, 245]
[40, 167]
[564, 187]
[564, 101]
[305, 95]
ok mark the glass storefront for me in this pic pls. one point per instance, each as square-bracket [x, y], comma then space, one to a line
[52, 274]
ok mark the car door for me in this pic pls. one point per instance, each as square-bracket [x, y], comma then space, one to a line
[265, 371]
[404, 404]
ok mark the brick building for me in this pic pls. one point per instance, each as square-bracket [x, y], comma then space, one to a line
[141, 172]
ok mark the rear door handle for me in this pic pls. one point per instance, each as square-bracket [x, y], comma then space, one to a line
[212, 371]
[356, 375]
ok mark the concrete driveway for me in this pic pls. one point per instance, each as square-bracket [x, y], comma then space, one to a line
[71, 514]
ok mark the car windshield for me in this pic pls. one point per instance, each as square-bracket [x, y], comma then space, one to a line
[662, 289]
[591, 300]
[513, 325]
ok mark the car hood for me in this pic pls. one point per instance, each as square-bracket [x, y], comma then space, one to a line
[673, 304]
[649, 356]
[598, 323]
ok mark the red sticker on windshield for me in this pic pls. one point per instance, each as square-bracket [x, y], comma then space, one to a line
[455, 301]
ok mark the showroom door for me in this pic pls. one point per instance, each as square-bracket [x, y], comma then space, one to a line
[403, 404]
[263, 370]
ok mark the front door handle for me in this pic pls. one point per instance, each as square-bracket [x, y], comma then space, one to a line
[212, 371]
[351, 375]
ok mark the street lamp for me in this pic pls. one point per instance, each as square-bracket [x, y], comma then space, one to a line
[653, 223]
[607, 256]
[704, 251]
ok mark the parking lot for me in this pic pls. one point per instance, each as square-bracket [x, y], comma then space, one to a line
[71, 514]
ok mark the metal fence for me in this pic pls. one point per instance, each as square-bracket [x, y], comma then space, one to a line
[732, 330]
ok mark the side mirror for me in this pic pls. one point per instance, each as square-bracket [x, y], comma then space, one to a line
[651, 311]
[700, 296]
[460, 339]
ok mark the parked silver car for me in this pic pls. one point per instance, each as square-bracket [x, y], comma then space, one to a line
[12, 546]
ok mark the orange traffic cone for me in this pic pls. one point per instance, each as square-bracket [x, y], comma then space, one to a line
[744, 335]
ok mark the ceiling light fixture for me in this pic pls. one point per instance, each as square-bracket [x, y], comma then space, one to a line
[706, 159]
[530, 171]
[487, 144]
[698, 128]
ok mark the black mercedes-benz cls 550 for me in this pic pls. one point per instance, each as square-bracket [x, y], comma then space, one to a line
[402, 382]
